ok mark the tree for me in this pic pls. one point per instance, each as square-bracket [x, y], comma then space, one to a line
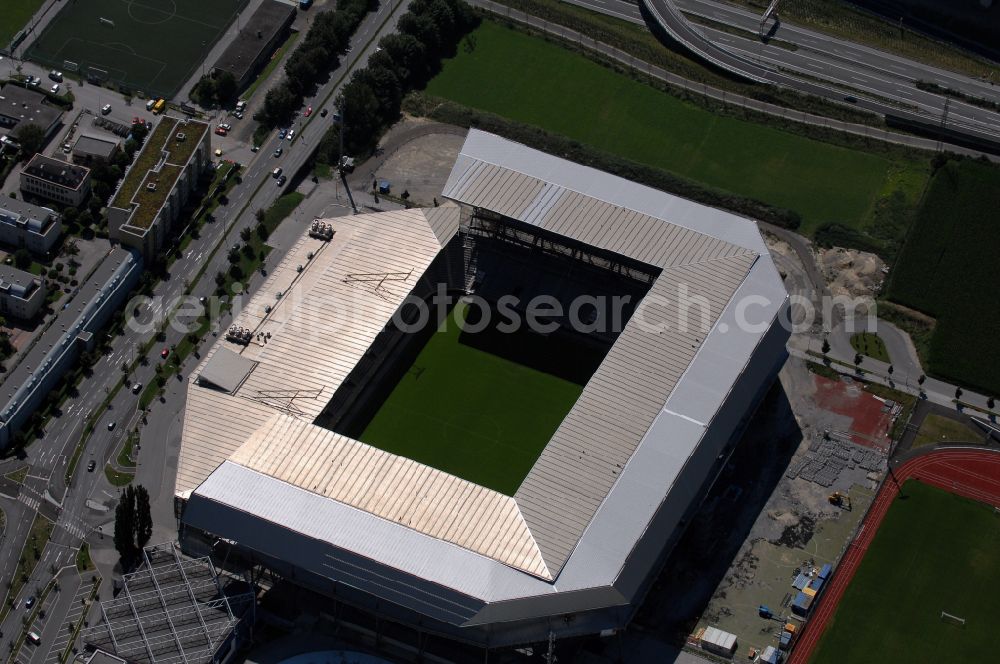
[125, 523]
[958, 392]
[31, 137]
[143, 517]
[857, 359]
[246, 234]
[22, 259]
[226, 88]
[921, 379]
[991, 402]
[234, 255]
[890, 369]
[826, 346]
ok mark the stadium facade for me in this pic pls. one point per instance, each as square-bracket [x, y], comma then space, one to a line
[263, 475]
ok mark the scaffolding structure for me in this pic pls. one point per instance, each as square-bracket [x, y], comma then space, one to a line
[172, 610]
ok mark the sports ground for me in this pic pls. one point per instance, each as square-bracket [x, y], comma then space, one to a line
[149, 46]
[536, 82]
[471, 413]
[15, 15]
[927, 547]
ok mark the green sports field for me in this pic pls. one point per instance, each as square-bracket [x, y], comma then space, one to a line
[471, 413]
[948, 268]
[149, 46]
[15, 15]
[529, 80]
[934, 552]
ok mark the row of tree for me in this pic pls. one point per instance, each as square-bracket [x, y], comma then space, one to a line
[370, 102]
[133, 524]
[215, 89]
[313, 59]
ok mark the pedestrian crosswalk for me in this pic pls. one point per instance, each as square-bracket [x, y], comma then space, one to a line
[75, 529]
[28, 500]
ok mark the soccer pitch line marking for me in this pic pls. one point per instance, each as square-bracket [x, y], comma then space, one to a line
[172, 13]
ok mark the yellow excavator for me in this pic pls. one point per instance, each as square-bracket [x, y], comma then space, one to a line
[840, 499]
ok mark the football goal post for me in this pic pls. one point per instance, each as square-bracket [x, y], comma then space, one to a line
[953, 619]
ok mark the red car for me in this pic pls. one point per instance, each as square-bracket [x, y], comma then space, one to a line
[221, 131]
[309, 111]
[164, 353]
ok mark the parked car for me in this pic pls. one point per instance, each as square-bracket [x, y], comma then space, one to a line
[67, 148]
[105, 109]
[34, 638]
[308, 112]
[277, 152]
[281, 134]
[54, 89]
[91, 466]
[290, 134]
[164, 352]
[323, 113]
[282, 179]
[238, 115]
[56, 76]
[220, 130]
[226, 126]
[276, 173]
[254, 148]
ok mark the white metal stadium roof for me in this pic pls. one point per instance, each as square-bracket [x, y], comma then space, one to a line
[615, 459]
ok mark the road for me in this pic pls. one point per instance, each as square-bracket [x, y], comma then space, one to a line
[822, 66]
[49, 456]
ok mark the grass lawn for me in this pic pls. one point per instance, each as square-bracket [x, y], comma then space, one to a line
[18, 475]
[15, 15]
[939, 429]
[529, 80]
[83, 561]
[934, 552]
[470, 413]
[948, 269]
[869, 343]
[148, 46]
[116, 478]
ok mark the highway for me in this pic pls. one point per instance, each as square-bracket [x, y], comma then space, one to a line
[48, 457]
[823, 66]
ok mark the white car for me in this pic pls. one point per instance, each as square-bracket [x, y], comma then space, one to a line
[290, 134]
[105, 109]
[226, 126]
[54, 89]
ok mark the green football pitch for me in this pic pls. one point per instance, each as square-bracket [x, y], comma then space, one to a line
[933, 552]
[471, 413]
[15, 15]
[149, 46]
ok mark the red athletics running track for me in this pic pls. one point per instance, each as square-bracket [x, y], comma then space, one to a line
[973, 473]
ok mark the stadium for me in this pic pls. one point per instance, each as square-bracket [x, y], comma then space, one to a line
[489, 421]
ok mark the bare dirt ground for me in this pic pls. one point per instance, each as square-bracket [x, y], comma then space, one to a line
[851, 272]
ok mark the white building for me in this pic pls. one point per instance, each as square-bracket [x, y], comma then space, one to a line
[576, 547]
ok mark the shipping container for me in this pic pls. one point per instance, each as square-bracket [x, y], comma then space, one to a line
[717, 641]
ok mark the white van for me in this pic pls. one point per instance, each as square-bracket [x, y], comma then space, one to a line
[150, 104]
